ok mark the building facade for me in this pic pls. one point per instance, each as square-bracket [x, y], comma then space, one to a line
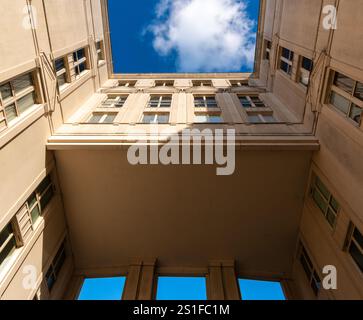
[73, 207]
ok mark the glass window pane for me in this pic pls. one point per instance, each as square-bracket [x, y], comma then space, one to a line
[254, 119]
[200, 119]
[5, 233]
[46, 197]
[334, 204]
[214, 119]
[26, 102]
[320, 201]
[356, 255]
[260, 290]
[163, 118]
[340, 102]
[323, 189]
[96, 117]
[102, 289]
[44, 184]
[59, 64]
[10, 112]
[343, 82]
[50, 279]
[110, 118]
[358, 237]
[307, 64]
[32, 200]
[82, 67]
[331, 217]
[22, 82]
[5, 91]
[359, 91]
[287, 54]
[7, 251]
[35, 213]
[148, 118]
[181, 288]
[356, 113]
[269, 119]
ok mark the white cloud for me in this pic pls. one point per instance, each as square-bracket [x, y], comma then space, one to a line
[206, 35]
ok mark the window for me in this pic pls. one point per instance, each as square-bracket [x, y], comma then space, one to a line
[260, 290]
[306, 66]
[181, 288]
[205, 102]
[207, 118]
[237, 83]
[102, 117]
[102, 289]
[268, 45]
[157, 101]
[328, 205]
[61, 72]
[355, 245]
[114, 102]
[127, 83]
[254, 117]
[54, 269]
[155, 118]
[346, 95]
[79, 61]
[100, 52]
[312, 275]
[251, 102]
[7, 244]
[164, 83]
[286, 59]
[39, 199]
[202, 83]
[16, 96]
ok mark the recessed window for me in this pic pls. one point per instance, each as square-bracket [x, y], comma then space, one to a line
[207, 118]
[237, 83]
[346, 96]
[55, 267]
[16, 96]
[160, 101]
[79, 61]
[310, 271]
[102, 288]
[114, 102]
[328, 205]
[164, 83]
[102, 117]
[254, 117]
[260, 290]
[181, 288]
[205, 102]
[355, 245]
[267, 53]
[286, 60]
[251, 102]
[155, 118]
[7, 244]
[127, 83]
[61, 72]
[305, 69]
[100, 52]
[202, 83]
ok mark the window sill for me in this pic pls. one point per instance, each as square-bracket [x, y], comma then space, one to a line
[81, 79]
[101, 63]
[21, 123]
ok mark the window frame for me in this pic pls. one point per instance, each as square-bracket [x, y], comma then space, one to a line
[161, 99]
[100, 52]
[15, 97]
[352, 99]
[262, 117]
[314, 187]
[118, 99]
[304, 72]
[313, 277]
[102, 120]
[164, 83]
[267, 50]
[351, 240]
[206, 105]
[12, 237]
[127, 83]
[289, 61]
[80, 61]
[208, 116]
[155, 115]
[62, 72]
[54, 268]
[252, 103]
[202, 83]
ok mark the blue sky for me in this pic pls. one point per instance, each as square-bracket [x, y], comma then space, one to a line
[178, 288]
[159, 36]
